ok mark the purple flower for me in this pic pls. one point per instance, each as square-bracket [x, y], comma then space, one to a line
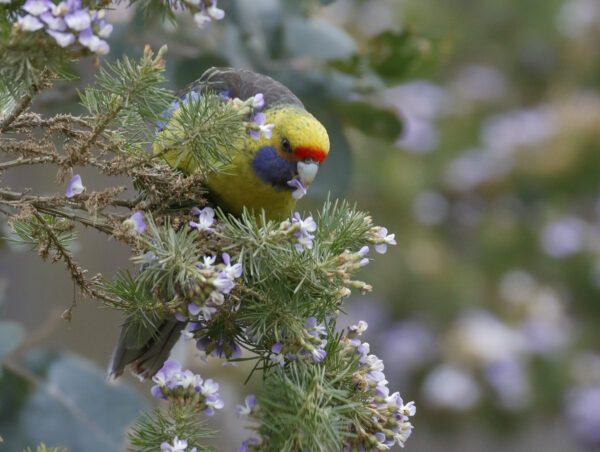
[304, 237]
[78, 20]
[75, 186]
[37, 7]
[381, 247]
[54, 23]
[62, 39]
[29, 23]
[136, 221]
[206, 218]
[231, 271]
[178, 445]
[265, 129]
[300, 189]
[246, 409]
[258, 101]
[207, 262]
[93, 42]
[583, 413]
[245, 444]
[214, 12]
[222, 283]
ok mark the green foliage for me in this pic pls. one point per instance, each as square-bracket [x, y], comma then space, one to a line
[180, 420]
[128, 92]
[303, 408]
[34, 234]
[200, 130]
[171, 260]
[135, 299]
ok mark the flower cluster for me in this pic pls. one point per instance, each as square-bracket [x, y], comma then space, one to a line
[219, 347]
[347, 263]
[301, 229]
[183, 386]
[311, 344]
[389, 423]
[381, 239]
[204, 11]
[179, 445]
[208, 290]
[68, 23]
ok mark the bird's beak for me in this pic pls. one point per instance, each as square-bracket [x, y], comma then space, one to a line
[307, 171]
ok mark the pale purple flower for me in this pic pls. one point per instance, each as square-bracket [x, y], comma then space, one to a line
[246, 409]
[214, 12]
[37, 7]
[305, 239]
[104, 29]
[75, 187]
[213, 403]
[207, 262]
[265, 129]
[78, 20]
[258, 101]
[93, 42]
[381, 248]
[564, 237]
[206, 218]
[231, 271]
[222, 283]
[300, 189]
[583, 413]
[360, 328]
[54, 23]
[62, 39]
[245, 444]
[201, 19]
[450, 388]
[29, 23]
[136, 221]
[178, 445]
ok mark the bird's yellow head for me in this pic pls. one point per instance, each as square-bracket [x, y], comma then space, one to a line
[298, 145]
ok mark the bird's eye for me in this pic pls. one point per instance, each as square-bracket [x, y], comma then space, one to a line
[285, 145]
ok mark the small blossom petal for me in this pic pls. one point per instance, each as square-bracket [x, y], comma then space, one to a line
[75, 187]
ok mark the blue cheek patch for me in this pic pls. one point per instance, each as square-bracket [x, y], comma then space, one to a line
[272, 169]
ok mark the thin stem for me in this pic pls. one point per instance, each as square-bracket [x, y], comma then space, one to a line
[33, 90]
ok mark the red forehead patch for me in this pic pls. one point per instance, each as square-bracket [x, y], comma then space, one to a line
[305, 152]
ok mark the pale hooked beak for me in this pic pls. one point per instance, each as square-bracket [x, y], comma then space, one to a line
[307, 171]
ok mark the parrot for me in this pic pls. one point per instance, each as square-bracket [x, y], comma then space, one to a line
[258, 179]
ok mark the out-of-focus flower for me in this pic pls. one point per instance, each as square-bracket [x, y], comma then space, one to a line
[75, 187]
[583, 413]
[419, 136]
[450, 388]
[510, 383]
[517, 286]
[563, 237]
[576, 17]
[249, 405]
[478, 83]
[430, 207]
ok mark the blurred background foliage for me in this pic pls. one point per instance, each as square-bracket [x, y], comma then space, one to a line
[469, 129]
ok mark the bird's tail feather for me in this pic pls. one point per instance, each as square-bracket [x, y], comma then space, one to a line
[144, 351]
